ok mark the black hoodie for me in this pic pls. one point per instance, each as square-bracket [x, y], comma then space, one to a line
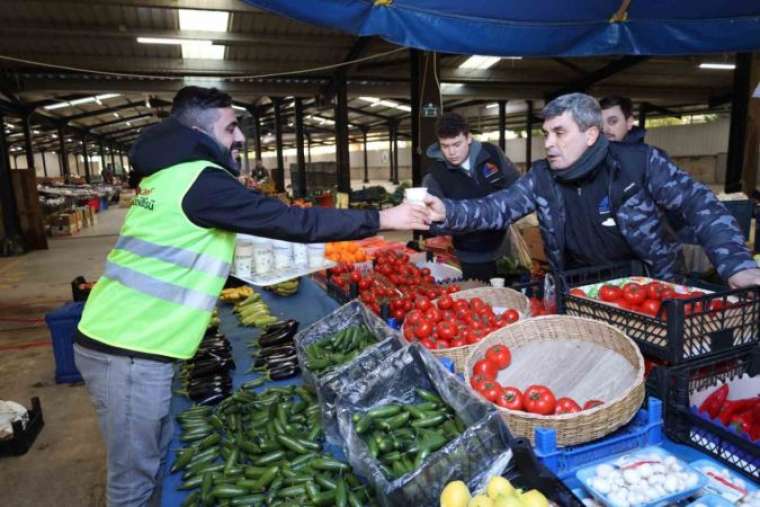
[219, 201]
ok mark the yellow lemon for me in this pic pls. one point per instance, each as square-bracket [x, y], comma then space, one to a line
[455, 494]
[534, 498]
[480, 501]
[499, 486]
[507, 501]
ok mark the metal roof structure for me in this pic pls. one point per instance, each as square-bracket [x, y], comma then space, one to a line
[64, 53]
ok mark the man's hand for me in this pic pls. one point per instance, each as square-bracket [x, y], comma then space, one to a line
[405, 217]
[436, 209]
[746, 278]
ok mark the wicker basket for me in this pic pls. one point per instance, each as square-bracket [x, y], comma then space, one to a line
[582, 426]
[494, 296]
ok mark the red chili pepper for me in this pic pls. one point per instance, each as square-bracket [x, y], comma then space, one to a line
[714, 401]
[736, 407]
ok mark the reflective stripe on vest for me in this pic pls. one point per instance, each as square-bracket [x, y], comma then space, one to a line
[159, 289]
[173, 255]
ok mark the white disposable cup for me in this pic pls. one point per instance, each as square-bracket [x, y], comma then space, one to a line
[263, 257]
[243, 258]
[497, 282]
[316, 254]
[415, 195]
[283, 254]
[300, 254]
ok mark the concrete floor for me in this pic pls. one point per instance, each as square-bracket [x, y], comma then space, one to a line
[66, 465]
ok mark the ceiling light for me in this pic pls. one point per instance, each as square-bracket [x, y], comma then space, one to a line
[85, 100]
[369, 99]
[176, 42]
[198, 51]
[717, 66]
[492, 105]
[129, 124]
[203, 21]
[35, 131]
[239, 108]
[479, 62]
[117, 115]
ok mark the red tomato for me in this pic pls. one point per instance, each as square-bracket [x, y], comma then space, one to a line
[627, 305]
[511, 316]
[432, 294]
[654, 290]
[477, 381]
[499, 355]
[577, 292]
[717, 305]
[428, 344]
[442, 344]
[458, 342]
[470, 337]
[337, 280]
[355, 276]
[461, 304]
[447, 330]
[476, 303]
[591, 404]
[667, 293]
[413, 318]
[422, 304]
[610, 293]
[651, 307]
[567, 406]
[409, 332]
[491, 391]
[445, 303]
[486, 368]
[433, 314]
[365, 283]
[425, 271]
[398, 314]
[451, 289]
[423, 329]
[539, 399]
[511, 398]
[634, 293]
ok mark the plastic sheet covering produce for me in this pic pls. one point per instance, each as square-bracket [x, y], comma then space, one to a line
[481, 451]
[330, 383]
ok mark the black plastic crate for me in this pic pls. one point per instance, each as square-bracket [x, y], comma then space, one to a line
[526, 472]
[674, 336]
[675, 384]
[23, 438]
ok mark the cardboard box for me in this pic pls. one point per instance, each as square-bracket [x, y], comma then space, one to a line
[532, 237]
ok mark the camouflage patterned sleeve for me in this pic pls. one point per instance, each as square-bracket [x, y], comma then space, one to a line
[494, 212]
[715, 227]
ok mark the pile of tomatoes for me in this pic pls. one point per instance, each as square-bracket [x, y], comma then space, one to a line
[647, 298]
[394, 281]
[536, 399]
[450, 322]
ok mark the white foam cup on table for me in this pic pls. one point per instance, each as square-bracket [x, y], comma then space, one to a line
[283, 254]
[300, 254]
[243, 258]
[263, 256]
[316, 254]
[497, 282]
[415, 195]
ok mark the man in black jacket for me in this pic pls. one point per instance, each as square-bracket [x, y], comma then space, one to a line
[128, 376]
[617, 120]
[464, 168]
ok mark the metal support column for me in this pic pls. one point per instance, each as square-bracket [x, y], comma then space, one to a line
[390, 151]
[102, 153]
[341, 133]
[44, 164]
[643, 115]
[279, 173]
[395, 153]
[257, 130]
[415, 93]
[737, 133]
[529, 136]
[112, 151]
[428, 108]
[65, 172]
[86, 156]
[300, 157]
[503, 125]
[11, 243]
[27, 123]
[366, 157]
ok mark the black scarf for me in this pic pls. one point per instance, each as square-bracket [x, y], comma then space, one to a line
[590, 159]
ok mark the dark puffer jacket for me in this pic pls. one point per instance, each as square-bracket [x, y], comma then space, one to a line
[644, 183]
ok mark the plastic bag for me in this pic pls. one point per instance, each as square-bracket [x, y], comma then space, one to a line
[481, 451]
[329, 385]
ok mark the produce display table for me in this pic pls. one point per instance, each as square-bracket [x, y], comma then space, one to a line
[310, 304]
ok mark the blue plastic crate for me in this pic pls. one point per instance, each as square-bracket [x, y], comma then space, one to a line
[62, 323]
[644, 430]
[103, 203]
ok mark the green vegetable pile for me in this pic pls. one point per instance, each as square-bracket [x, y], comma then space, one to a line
[264, 448]
[402, 436]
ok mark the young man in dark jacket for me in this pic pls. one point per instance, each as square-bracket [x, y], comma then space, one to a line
[464, 168]
[617, 120]
[600, 202]
[163, 277]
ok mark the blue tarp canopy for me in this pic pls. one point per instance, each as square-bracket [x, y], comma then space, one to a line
[540, 27]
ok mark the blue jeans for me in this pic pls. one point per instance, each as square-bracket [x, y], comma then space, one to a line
[132, 398]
